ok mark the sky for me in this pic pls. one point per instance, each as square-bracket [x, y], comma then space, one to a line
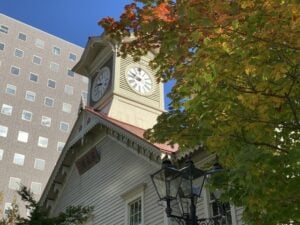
[71, 20]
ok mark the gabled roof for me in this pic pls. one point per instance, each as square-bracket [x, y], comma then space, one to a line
[139, 132]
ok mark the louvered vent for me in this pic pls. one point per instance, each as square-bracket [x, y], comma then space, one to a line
[123, 83]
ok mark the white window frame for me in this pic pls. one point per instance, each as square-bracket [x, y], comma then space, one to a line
[33, 189]
[3, 131]
[69, 90]
[36, 57]
[54, 67]
[39, 43]
[42, 139]
[30, 96]
[50, 82]
[19, 36]
[56, 50]
[23, 136]
[14, 183]
[17, 68]
[20, 51]
[63, 123]
[45, 121]
[19, 159]
[1, 154]
[131, 196]
[7, 109]
[70, 73]
[52, 105]
[7, 207]
[60, 145]
[26, 113]
[71, 56]
[85, 79]
[33, 74]
[4, 29]
[11, 87]
[39, 164]
[66, 107]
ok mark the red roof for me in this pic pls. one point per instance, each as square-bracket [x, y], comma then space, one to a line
[139, 132]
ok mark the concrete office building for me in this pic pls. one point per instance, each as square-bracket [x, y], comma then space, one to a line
[39, 100]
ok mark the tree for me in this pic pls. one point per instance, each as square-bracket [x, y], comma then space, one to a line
[39, 216]
[236, 64]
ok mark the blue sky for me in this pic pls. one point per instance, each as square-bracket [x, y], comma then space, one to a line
[72, 20]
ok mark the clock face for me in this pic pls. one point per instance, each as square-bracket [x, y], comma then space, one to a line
[100, 83]
[139, 81]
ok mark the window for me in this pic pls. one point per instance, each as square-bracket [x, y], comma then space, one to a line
[64, 126]
[39, 164]
[84, 96]
[1, 154]
[85, 79]
[66, 107]
[70, 73]
[19, 53]
[39, 43]
[11, 89]
[69, 90]
[36, 188]
[3, 131]
[49, 102]
[23, 136]
[7, 208]
[56, 50]
[37, 60]
[51, 83]
[2, 46]
[26, 115]
[54, 66]
[60, 146]
[30, 96]
[72, 57]
[4, 29]
[46, 121]
[6, 109]
[14, 70]
[33, 77]
[19, 159]
[43, 142]
[14, 183]
[218, 208]
[22, 36]
[135, 212]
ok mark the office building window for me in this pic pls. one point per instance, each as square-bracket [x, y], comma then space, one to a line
[39, 43]
[54, 66]
[67, 107]
[84, 96]
[11, 89]
[36, 188]
[30, 96]
[1, 154]
[22, 36]
[14, 183]
[39, 164]
[51, 83]
[3, 131]
[4, 29]
[72, 57]
[19, 53]
[37, 60]
[85, 79]
[60, 146]
[19, 159]
[46, 121]
[26, 115]
[70, 73]
[56, 50]
[2, 46]
[69, 90]
[15, 70]
[64, 126]
[49, 102]
[33, 77]
[23, 136]
[6, 109]
[43, 142]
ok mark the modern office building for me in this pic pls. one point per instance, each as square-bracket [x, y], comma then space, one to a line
[39, 100]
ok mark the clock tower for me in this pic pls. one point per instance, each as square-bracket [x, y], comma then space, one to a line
[119, 87]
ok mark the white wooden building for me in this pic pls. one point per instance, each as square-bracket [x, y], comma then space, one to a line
[106, 163]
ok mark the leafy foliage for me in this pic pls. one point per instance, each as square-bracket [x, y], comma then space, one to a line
[237, 69]
[39, 216]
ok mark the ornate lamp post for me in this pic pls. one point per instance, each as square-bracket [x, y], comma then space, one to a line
[184, 185]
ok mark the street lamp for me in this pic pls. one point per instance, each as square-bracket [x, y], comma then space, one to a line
[184, 185]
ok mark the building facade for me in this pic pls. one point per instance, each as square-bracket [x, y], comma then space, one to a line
[39, 101]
